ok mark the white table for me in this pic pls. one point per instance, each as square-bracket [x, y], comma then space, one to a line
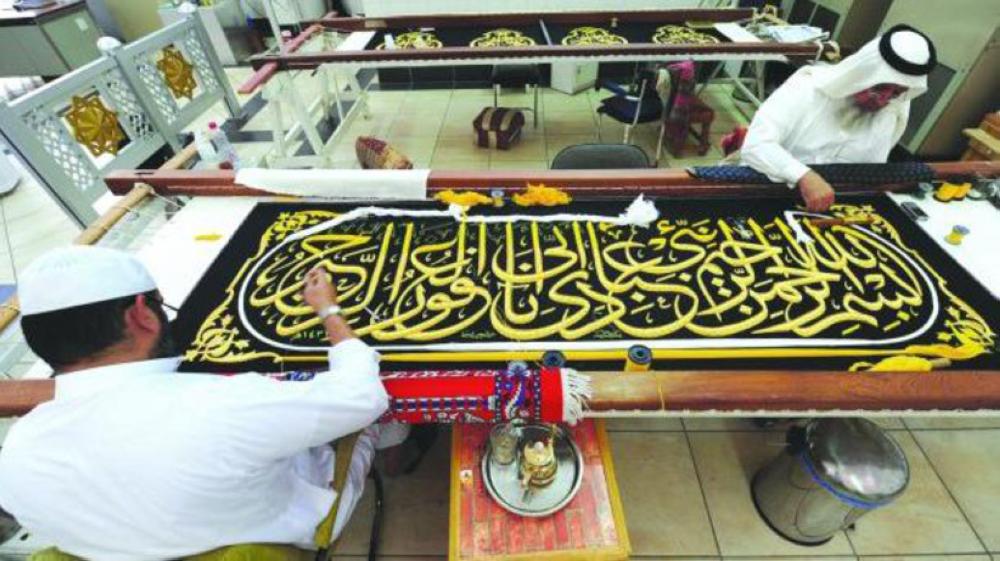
[979, 252]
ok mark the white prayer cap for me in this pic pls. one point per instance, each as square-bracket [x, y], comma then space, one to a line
[80, 274]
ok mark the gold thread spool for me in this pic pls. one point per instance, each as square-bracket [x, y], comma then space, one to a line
[497, 196]
[956, 235]
[947, 192]
[638, 359]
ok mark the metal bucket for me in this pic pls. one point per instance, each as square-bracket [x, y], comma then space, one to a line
[832, 472]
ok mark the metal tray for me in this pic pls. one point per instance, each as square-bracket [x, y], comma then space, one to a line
[502, 483]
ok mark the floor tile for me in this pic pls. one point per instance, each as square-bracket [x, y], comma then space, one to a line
[664, 509]
[527, 148]
[517, 98]
[796, 558]
[951, 423]
[966, 461]
[416, 148]
[923, 520]
[649, 424]
[455, 163]
[423, 124]
[516, 164]
[611, 131]
[460, 147]
[415, 511]
[925, 558]
[378, 126]
[559, 102]
[570, 123]
[458, 121]
[735, 424]
[726, 463]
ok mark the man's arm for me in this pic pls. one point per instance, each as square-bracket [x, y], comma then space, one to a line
[273, 419]
[763, 148]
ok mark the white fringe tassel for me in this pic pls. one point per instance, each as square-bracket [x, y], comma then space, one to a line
[576, 391]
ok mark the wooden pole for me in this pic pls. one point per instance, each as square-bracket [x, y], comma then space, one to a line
[672, 392]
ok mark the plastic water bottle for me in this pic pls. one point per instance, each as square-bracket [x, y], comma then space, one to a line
[206, 150]
[228, 157]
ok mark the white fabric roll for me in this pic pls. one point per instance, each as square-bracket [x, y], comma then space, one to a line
[339, 183]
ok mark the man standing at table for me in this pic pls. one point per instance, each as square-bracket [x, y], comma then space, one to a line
[851, 112]
[132, 460]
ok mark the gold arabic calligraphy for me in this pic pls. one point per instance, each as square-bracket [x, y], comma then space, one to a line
[412, 281]
[428, 281]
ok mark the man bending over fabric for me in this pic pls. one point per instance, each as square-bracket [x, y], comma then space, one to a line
[132, 460]
[851, 112]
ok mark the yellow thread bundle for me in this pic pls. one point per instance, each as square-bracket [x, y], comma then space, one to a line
[464, 198]
[540, 195]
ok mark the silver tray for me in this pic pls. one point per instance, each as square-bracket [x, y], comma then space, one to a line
[503, 484]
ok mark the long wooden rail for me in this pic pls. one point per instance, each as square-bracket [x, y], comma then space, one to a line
[724, 390]
[659, 182]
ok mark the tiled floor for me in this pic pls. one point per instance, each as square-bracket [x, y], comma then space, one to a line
[685, 482]
[434, 127]
[686, 493]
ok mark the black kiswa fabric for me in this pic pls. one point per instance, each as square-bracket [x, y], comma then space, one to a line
[710, 284]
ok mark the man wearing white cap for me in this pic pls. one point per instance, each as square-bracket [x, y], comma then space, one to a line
[851, 112]
[132, 460]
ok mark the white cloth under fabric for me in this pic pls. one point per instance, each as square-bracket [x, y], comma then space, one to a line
[138, 462]
[811, 118]
[395, 184]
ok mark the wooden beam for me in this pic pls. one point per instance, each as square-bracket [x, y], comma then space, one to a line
[568, 18]
[306, 61]
[621, 182]
[265, 72]
[724, 390]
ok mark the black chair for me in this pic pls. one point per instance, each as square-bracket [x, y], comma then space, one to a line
[601, 156]
[516, 76]
[632, 106]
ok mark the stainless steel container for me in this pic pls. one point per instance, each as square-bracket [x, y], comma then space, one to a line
[832, 472]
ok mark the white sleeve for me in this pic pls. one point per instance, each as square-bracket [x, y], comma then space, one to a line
[763, 146]
[271, 419]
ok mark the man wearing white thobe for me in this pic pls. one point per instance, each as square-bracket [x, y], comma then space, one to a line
[134, 461]
[851, 112]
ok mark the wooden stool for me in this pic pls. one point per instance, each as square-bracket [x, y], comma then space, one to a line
[591, 526]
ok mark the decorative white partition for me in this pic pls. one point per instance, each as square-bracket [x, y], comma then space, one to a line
[115, 113]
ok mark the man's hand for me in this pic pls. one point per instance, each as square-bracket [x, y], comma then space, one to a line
[816, 192]
[317, 290]
[320, 294]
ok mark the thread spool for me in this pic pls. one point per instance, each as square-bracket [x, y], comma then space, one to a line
[961, 190]
[553, 359]
[923, 190]
[497, 196]
[956, 235]
[952, 191]
[639, 359]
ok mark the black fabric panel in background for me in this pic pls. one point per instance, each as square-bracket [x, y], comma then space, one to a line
[210, 290]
